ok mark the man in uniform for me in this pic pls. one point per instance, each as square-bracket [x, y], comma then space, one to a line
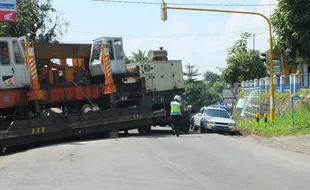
[175, 115]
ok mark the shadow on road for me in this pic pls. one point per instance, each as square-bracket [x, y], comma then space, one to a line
[236, 133]
[80, 140]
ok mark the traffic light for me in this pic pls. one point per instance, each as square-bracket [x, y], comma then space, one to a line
[264, 59]
[164, 16]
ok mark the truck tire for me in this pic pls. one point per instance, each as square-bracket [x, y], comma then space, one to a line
[145, 130]
[113, 133]
[2, 150]
[141, 131]
[148, 130]
[185, 128]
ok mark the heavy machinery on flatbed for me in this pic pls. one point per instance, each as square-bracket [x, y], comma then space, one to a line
[163, 78]
[42, 97]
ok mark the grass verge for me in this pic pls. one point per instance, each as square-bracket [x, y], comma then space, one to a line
[282, 125]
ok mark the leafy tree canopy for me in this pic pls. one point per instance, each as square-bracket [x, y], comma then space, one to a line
[191, 72]
[137, 57]
[38, 18]
[200, 93]
[291, 23]
[243, 64]
[211, 77]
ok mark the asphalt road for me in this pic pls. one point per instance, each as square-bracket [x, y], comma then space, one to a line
[195, 161]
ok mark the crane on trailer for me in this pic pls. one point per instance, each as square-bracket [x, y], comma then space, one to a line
[21, 85]
[93, 95]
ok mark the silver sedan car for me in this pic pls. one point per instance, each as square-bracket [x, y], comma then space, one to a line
[214, 119]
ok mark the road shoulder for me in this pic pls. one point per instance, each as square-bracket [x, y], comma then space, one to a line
[298, 144]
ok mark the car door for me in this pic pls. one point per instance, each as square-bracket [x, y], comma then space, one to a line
[199, 116]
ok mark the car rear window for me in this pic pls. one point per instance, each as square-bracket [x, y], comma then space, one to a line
[217, 113]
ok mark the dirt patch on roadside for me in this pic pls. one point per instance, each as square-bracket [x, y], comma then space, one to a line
[247, 132]
[299, 144]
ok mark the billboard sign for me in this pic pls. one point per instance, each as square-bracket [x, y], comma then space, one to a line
[277, 67]
[228, 93]
[8, 10]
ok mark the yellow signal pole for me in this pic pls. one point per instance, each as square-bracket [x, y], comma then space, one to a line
[164, 9]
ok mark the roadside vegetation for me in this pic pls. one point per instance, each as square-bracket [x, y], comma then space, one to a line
[282, 125]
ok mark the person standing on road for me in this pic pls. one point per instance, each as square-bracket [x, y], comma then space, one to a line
[175, 115]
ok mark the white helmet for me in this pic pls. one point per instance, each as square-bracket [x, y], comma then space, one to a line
[177, 98]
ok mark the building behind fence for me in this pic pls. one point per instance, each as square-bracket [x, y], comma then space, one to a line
[291, 83]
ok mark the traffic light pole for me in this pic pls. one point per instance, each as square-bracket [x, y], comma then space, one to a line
[164, 9]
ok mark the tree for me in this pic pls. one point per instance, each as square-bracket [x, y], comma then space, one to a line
[191, 72]
[240, 45]
[291, 23]
[35, 17]
[219, 87]
[198, 92]
[139, 56]
[243, 64]
[128, 60]
[211, 77]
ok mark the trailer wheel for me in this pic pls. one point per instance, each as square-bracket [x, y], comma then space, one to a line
[141, 131]
[113, 133]
[2, 149]
[145, 130]
[148, 130]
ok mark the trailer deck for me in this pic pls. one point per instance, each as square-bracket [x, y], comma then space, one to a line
[57, 127]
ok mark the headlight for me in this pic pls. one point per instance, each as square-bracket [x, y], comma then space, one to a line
[232, 124]
[209, 123]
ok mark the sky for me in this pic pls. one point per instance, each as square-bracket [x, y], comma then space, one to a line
[199, 38]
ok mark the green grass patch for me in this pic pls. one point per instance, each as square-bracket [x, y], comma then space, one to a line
[282, 125]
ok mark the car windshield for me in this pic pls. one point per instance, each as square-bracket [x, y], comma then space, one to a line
[217, 113]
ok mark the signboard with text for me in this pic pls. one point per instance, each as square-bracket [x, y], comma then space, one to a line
[8, 10]
[227, 94]
[277, 67]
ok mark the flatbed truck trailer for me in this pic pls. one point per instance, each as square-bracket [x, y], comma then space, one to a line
[88, 95]
[42, 129]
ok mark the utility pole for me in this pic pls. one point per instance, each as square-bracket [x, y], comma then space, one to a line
[253, 37]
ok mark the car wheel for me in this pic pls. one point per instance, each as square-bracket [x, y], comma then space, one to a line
[202, 130]
[208, 131]
[196, 128]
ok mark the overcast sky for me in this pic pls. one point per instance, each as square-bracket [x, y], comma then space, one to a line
[200, 38]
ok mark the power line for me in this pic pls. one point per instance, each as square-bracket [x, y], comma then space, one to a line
[256, 34]
[182, 36]
[188, 4]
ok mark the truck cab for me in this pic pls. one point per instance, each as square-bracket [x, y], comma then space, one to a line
[13, 66]
[116, 54]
